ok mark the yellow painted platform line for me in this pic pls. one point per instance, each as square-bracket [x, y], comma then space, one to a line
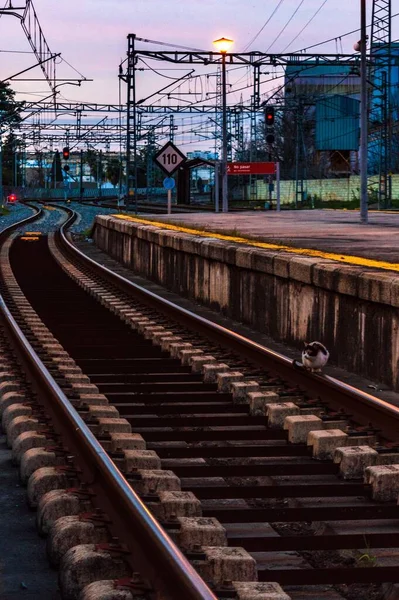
[342, 258]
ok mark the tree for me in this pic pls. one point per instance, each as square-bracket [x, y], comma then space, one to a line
[11, 165]
[9, 117]
[96, 166]
[9, 108]
[56, 169]
[144, 155]
[113, 171]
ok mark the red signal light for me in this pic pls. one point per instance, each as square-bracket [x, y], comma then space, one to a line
[12, 198]
[65, 153]
[269, 116]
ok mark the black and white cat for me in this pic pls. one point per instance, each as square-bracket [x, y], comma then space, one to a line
[314, 356]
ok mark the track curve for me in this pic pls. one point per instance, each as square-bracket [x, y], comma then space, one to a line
[210, 407]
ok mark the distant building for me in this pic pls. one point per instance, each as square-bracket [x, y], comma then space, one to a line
[202, 175]
[328, 96]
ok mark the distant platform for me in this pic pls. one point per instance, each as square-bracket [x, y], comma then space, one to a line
[332, 234]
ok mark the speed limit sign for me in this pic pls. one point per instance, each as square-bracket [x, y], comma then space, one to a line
[169, 158]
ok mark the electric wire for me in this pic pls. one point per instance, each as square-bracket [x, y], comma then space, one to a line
[263, 26]
[17, 51]
[72, 67]
[286, 25]
[160, 74]
[337, 37]
[169, 45]
[306, 25]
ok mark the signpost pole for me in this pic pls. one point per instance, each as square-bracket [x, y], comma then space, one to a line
[217, 186]
[278, 186]
[169, 202]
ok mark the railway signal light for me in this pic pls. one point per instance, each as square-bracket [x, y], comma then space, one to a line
[66, 168]
[270, 138]
[65, 153]
[269, 116]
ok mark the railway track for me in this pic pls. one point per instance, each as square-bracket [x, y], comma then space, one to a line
[161, 207]
[274, 483]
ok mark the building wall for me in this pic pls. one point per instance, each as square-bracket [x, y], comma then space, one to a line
[344, 189]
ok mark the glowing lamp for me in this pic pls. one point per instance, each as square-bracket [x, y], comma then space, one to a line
[223, 45]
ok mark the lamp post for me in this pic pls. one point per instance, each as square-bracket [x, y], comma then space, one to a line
[223, 45]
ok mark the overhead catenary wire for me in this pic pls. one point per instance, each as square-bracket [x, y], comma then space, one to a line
[263, 26]
[159, 43]
[285, 26]
[306, 25]
[337, 37]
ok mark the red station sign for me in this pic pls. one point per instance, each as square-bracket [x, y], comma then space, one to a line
[251, 168]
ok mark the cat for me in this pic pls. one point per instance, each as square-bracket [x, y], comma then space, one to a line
[314, 356]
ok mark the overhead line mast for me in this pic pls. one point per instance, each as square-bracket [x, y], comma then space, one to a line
[34, 33]
[380, 114]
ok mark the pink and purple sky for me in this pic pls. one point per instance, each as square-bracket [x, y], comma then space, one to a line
[91, 34]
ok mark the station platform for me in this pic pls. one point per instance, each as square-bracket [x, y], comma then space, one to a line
[295, 276]
[335, 235]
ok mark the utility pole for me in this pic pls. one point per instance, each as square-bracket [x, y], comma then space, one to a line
[223, 45]
[1, 165]
[81, 177]
[15, 163]
[100, 172]
[363, 115]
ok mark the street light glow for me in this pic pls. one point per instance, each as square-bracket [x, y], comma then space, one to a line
[223, 44]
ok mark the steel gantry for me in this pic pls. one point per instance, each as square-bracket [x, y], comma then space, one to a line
[380, 106]
[35, 36]
[253, 60]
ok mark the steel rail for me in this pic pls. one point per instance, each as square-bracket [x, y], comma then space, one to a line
[152, 552]
[36, 215]
[366, 409]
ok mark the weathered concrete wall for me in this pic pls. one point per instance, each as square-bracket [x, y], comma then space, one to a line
[344, 189]
[353, 310]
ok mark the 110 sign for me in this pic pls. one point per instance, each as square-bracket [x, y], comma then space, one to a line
[169, 158]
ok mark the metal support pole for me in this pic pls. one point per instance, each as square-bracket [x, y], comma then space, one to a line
[278, 186]
[169, 202]
[81, 177]
[216, 186]
[225, 203]
[132, 121]
[54, 172]
[100, 173]
[1, 169]
[297, 159]
[363, 115]
[15, 163]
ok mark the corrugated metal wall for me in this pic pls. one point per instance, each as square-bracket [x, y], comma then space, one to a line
[337, 123]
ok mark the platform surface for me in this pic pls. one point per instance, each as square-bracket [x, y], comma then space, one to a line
[335, 235]
[336, 231]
